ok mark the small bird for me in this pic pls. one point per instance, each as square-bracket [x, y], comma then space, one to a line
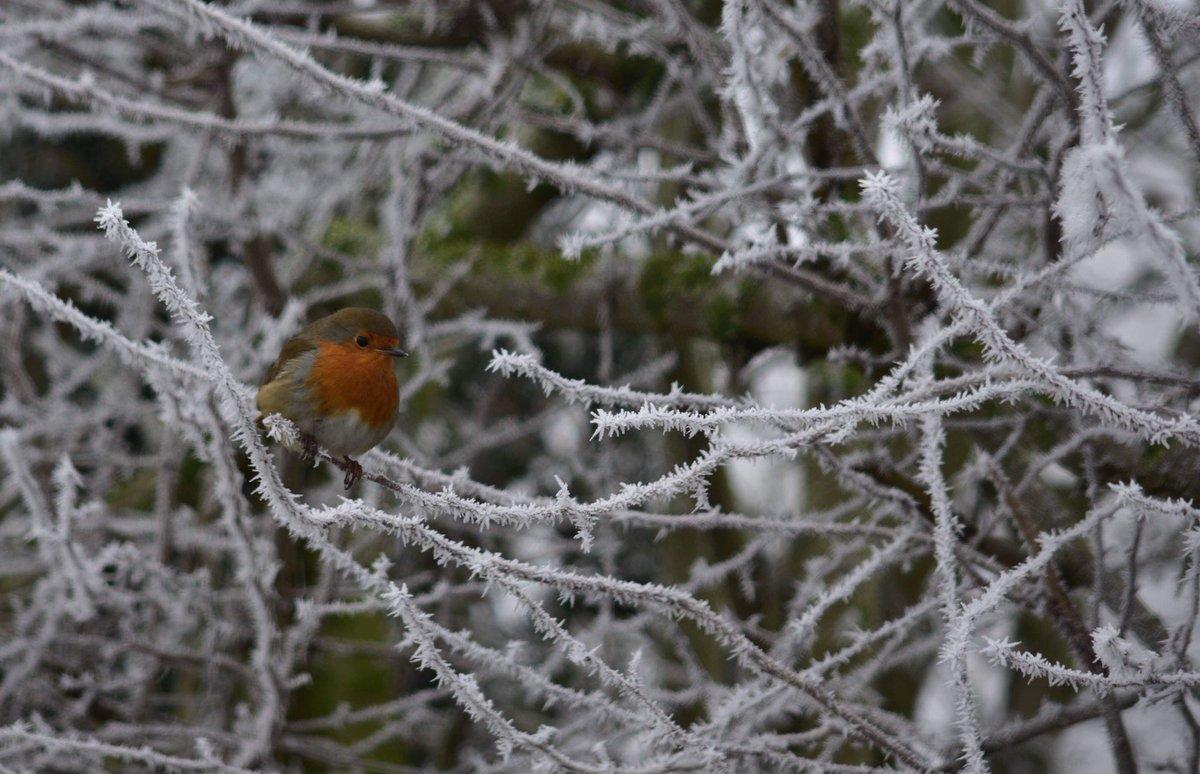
[336, 380]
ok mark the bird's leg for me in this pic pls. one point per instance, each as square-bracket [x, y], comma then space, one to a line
[354, 471]
[308, 447]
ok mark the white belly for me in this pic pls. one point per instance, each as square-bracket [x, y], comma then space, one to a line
[347, 434]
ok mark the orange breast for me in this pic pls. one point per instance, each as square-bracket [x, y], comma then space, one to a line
[345, 378]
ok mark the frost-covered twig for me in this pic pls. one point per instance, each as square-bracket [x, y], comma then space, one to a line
[924, 257]
[74, 746]
[576, 390]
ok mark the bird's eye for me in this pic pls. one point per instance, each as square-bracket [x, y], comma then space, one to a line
[361, 341]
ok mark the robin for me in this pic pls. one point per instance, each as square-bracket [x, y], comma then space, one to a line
[336, 381]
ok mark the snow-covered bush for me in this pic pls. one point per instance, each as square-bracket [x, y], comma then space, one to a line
[798, 385]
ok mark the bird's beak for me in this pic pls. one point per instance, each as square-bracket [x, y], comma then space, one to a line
[394, 352]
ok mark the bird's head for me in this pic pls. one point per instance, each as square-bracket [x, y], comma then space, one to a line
[361, 332]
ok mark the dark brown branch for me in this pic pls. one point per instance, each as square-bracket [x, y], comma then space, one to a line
[1066, 617]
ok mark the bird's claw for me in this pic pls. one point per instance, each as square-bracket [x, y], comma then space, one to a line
[309, 450]
[354, 472]
[308, 447]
